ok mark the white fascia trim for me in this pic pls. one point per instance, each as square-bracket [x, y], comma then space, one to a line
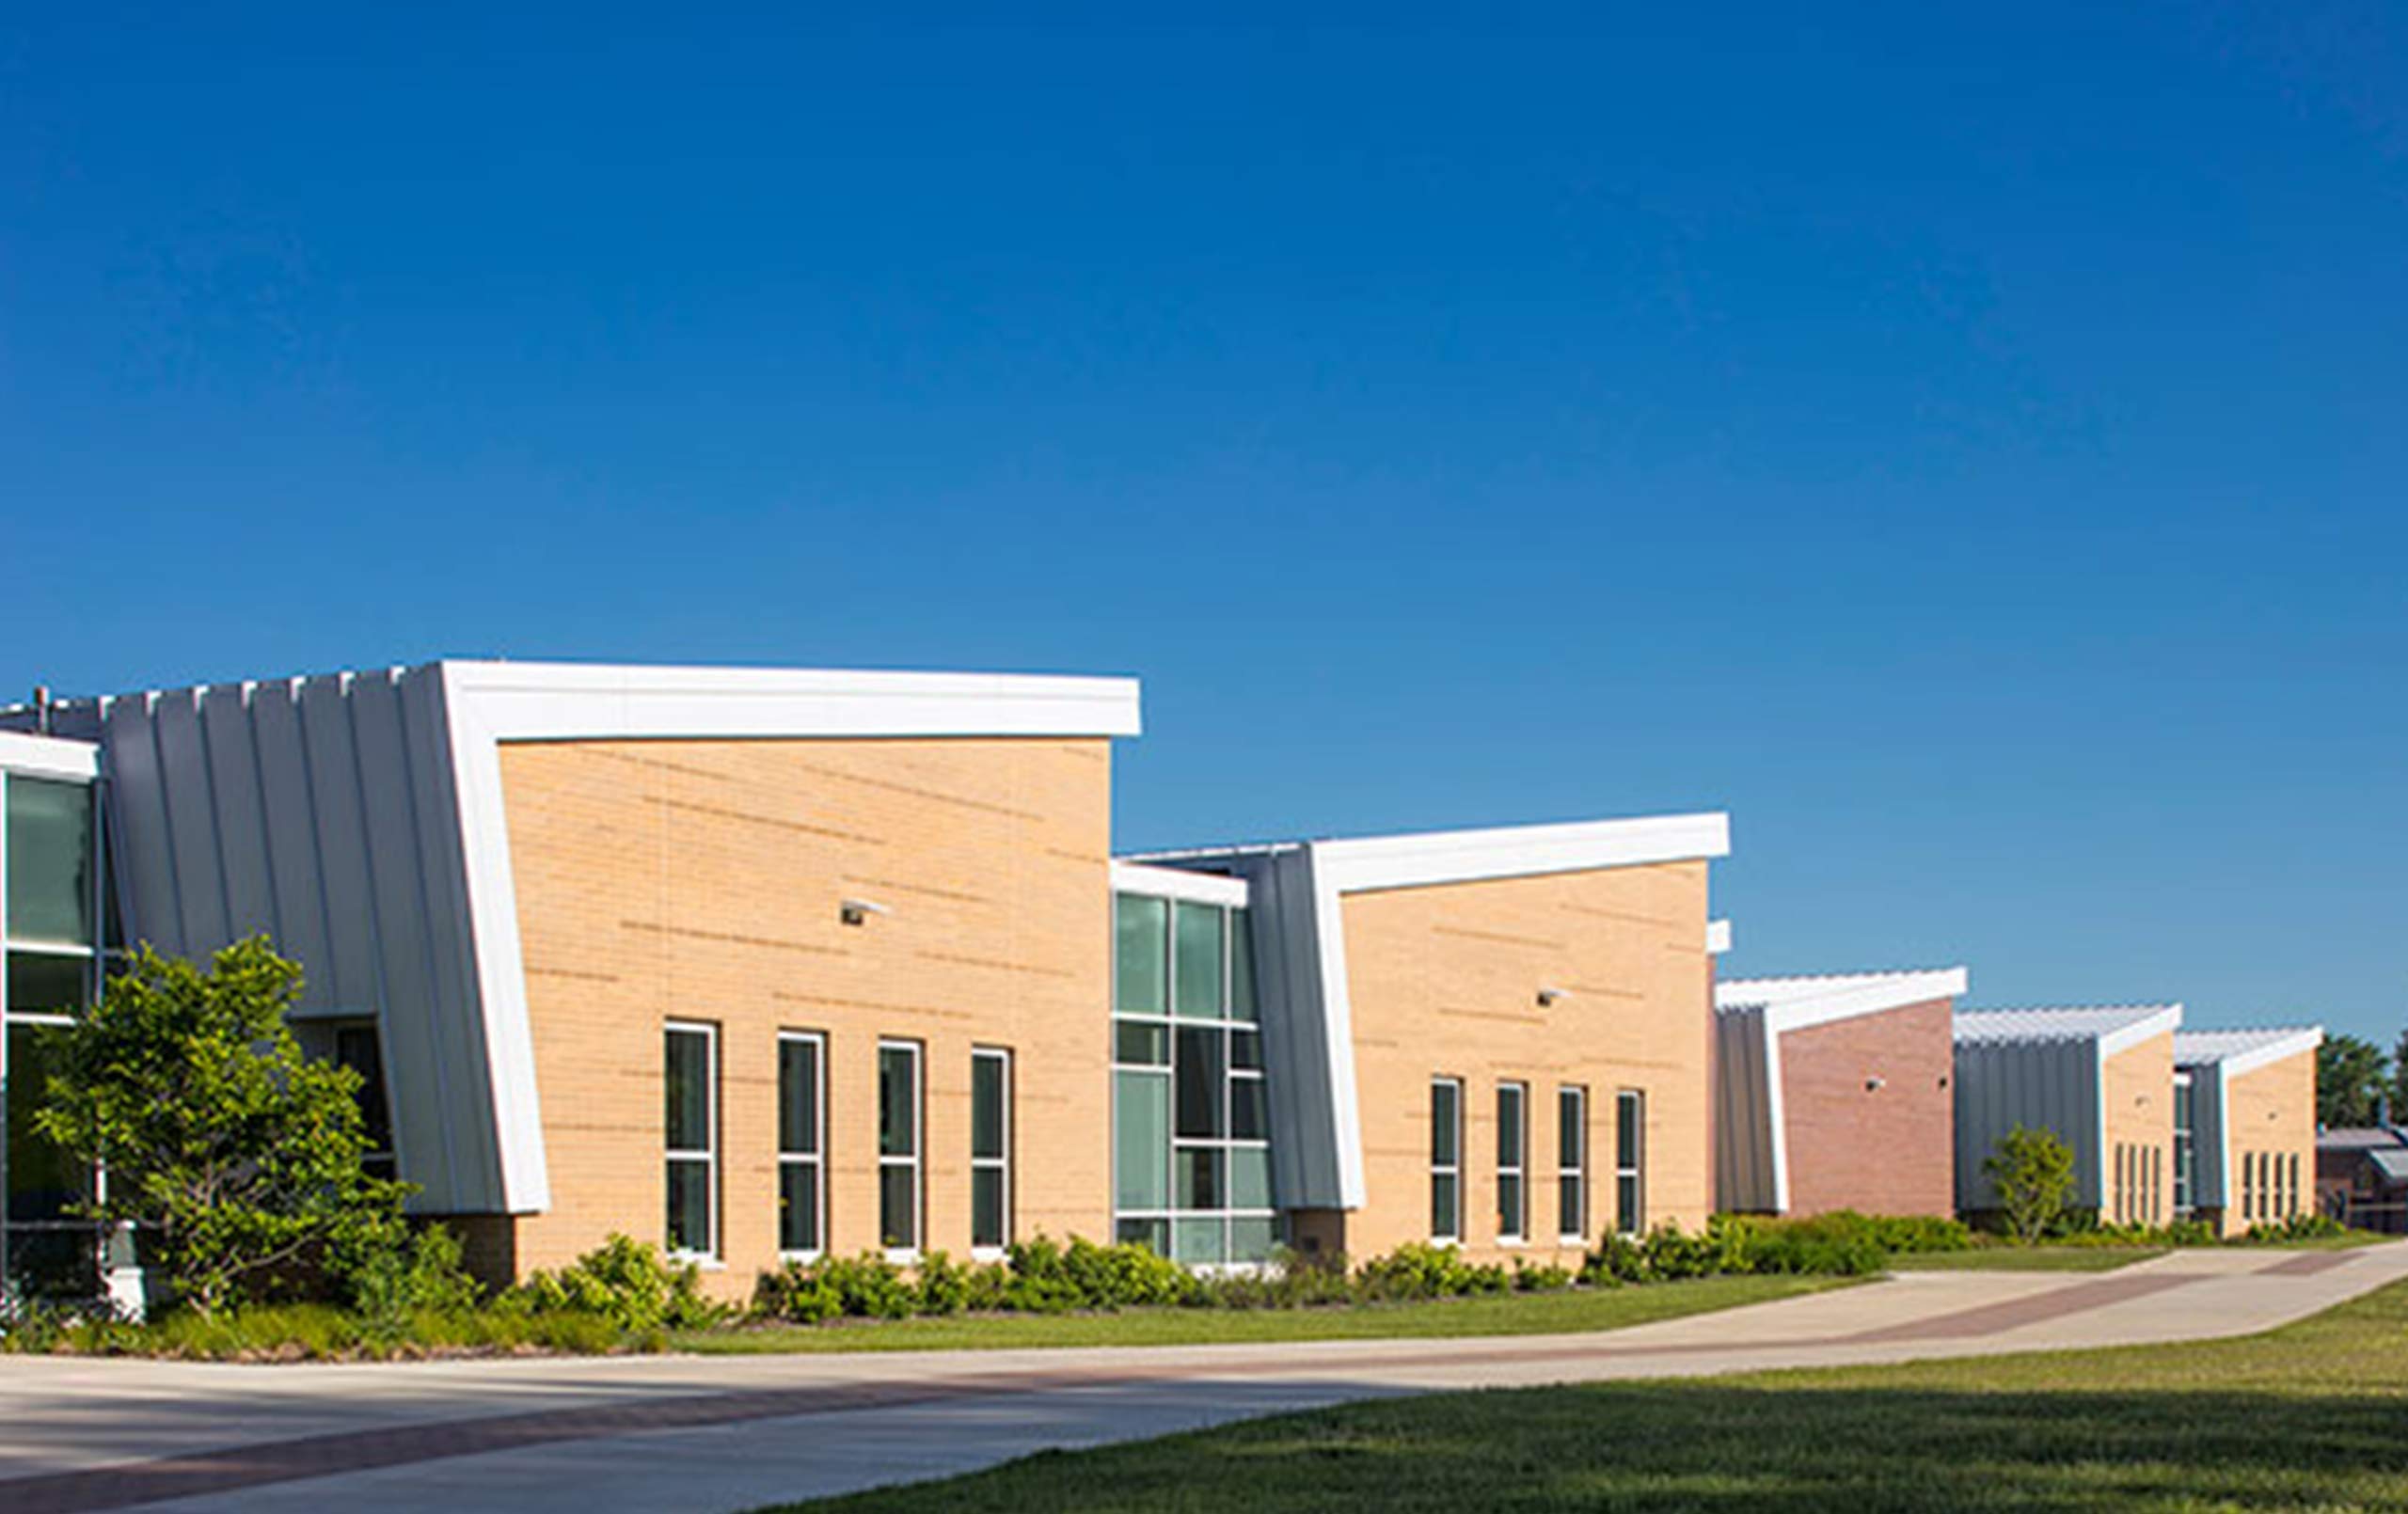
[541, 702]
[487, 703]
[1178, 883]
[1718, 938]
[2124, 1037]
[31, 756]
[1792, 1005]
[2223, 1140]
[1516, 851]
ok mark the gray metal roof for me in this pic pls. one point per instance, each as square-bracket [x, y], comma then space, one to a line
[2082, 1023]
[2392, 1162]
[2195, 1049]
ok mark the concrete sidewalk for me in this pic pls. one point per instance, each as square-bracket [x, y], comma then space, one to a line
[596, 1436]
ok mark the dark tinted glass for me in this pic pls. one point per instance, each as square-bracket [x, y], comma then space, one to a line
[798, 1099]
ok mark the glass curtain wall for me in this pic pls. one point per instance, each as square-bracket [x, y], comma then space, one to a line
[50, 917]
[1191, 1124]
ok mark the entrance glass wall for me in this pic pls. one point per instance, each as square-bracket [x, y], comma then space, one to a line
[1191, 1123]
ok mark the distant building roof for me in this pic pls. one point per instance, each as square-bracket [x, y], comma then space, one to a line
[2359, 1138]
[2392, 1162]
[2113, 1025]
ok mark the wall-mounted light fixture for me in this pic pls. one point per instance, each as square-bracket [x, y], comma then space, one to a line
[857, 911]
[1876, 1083]
[1944, 1079]
[1548, 996]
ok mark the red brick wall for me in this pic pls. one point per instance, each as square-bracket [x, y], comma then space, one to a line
[1887, 1150]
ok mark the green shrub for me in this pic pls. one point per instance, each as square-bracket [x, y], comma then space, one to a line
[2032, 1171]
[398, 1280]
[945, 1287]
[797, 1294]
[2296, 1227]
[625, 1281]
[1543, 1278]
[1414, 1271]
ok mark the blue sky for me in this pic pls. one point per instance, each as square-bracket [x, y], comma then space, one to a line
[1970, 450]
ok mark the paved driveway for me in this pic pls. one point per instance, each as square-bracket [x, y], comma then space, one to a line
[600, 1436]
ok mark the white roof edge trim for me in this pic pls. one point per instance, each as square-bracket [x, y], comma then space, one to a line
[1718, 938]
[536, 702]
[31, 756]
[1406, 861]
[2123, 1038]
[2290, 1043]
[1844, 998]
[1178, 883]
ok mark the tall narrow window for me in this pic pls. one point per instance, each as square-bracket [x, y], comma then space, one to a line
[693, 1121]
[2185, 1154]
[1512, 1145]
[899, 1145]
[803, 1186]
[991, 1149]
[356, 1047]
[1445, 1159]
[1571, 1166]
[1630, 1161]
[2293, 1161]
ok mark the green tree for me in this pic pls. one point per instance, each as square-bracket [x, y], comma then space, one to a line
[2400, 1081]
[2350, 1078]
[239, 1155]
[2032, 1172]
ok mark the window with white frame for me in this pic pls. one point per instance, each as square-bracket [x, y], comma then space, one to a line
[1446, 1159]
[802, 1135]
[899, 1146]
[52, 909]
[991, 1149]
[1512, 1157]
[1191, 1114]
[690, 1075]
[1630, 1161]
[1571, 1164]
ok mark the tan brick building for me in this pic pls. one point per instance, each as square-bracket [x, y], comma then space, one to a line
[763, 964]
[2244, 1124]
[1833, 1093]
[2101, 1078]
[1496, 1039]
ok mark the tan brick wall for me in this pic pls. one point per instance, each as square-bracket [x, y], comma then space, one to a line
[2271, 1109]
[1886, 1150]
[2139, 1084]
[1444, 981]
[701, 879]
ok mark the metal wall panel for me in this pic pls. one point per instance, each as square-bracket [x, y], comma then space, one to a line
[1304, 1122]
[2207, 1176]
[322, 813]
[1743, 1132]
[2050, 1084]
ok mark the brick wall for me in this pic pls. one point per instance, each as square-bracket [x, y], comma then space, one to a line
[2270, 1111]
[700, 880]
[1886, 1150]
[1445, 980]
[2139, 1086]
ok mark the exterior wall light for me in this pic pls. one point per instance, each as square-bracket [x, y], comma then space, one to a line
[857, 911]
[1548, 995]
[1876, 1083]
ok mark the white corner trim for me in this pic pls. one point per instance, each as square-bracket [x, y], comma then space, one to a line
[1338, 1029]
[31, 756]
[540, 701]
[2124, 1037]
[1178, 883]
[1718, 938]
[1517, 851]
[1795, 1004]
[1778, 1114]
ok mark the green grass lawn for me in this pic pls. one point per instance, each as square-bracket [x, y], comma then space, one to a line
[2313, 1416]
[1517, 1314]
[2025, 1259]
